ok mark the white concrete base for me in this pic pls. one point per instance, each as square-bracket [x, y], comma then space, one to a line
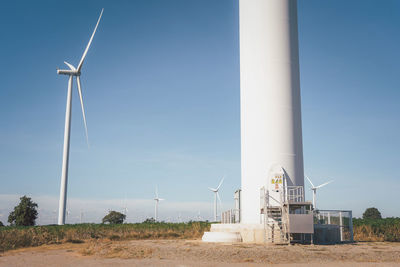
[247, 233]
[221, 237]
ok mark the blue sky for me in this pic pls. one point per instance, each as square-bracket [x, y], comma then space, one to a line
[161, 92]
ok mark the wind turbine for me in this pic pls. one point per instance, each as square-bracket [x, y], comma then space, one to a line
[72, 72]
[81, 216]
[157, 199]
[55, 216]
[125, 209]
[68, 213]
[314, 189]
[216, 195]
[198, 216]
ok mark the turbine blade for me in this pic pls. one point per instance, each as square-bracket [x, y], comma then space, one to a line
[309, 180]
[78, 80]
[161, 199]
[219, 199]
[69, 65]
[324, 184]
[212, 189]
[220, 183]
[90, 41]
[156, 191]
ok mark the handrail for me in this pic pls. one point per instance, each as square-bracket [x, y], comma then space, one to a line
[230, 216]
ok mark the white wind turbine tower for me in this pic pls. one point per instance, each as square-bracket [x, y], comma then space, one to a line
[125, 209]
[157, 199]
[216, 195]
[198, 216]
[314, 189]
[55, 216]
[80, 216]
[72, 72]
[68, 213]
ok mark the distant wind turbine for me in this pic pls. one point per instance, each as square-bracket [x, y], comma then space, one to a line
[216, 195]
[72, 72]
[68, 213]
[157, 199]
[198, 216]
[81, 216]
[125, 209]
[314, 189]
[55, 216]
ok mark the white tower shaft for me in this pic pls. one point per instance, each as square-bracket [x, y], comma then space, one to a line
[314, 193]
[215, 206]
[156, 210]
[64, 172]
[271, 132]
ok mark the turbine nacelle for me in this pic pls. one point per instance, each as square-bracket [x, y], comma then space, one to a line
[72, 70]
[68, 72]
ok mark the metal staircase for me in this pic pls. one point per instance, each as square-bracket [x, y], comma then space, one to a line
[276, 220]
[275, 212]
[276, 226]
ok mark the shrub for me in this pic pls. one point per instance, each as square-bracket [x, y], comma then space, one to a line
[149, 220]
[372, 213]
[24, 214]
[114, 217]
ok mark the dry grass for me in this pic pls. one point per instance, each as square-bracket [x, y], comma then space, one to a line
[377, 230]
[18, 237]
[366, 233]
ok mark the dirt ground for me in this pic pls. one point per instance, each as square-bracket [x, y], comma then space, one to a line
[190, 253]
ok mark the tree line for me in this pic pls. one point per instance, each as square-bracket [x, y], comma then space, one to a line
[26, 213]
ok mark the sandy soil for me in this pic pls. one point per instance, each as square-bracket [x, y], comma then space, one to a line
[195, 253]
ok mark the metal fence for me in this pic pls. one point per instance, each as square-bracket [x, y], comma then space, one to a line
[337, 222]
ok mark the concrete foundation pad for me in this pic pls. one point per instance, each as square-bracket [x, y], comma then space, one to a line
[249, 233]
[221, 237]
